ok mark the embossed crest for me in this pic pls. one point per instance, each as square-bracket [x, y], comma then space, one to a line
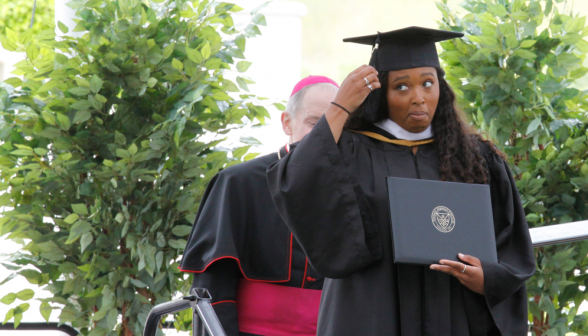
[443, 219]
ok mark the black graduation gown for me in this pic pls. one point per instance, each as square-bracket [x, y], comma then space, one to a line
[239, 233]
[333, 198]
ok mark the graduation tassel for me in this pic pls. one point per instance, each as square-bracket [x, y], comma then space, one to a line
[375, 62]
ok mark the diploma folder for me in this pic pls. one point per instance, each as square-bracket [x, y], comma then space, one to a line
[434, 220]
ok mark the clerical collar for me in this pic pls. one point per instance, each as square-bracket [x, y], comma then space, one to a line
[400, 133]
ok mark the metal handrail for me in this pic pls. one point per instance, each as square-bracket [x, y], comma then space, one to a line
[41, 326]
[204, 319]
[559, 233]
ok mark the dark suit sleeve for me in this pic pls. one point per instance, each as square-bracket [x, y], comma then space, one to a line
[221, 279]
[315, 191]
[504, 281]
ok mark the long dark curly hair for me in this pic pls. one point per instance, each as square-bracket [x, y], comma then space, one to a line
[459, 154]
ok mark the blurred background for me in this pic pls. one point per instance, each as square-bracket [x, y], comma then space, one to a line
[301, 38]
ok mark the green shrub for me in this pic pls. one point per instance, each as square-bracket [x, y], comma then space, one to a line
[16, 15]
[514, 73]
[107, 144]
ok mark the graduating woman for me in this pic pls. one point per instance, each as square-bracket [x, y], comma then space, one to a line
[397, 117]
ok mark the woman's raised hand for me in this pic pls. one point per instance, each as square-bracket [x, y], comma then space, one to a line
[354, 89]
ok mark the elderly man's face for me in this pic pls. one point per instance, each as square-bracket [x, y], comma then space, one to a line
[314, 104]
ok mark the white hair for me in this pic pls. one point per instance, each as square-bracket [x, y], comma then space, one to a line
[296, 102]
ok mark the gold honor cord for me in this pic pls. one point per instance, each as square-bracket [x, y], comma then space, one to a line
[408, 143]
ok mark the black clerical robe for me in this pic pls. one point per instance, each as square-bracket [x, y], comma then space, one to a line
[238, 233]
[333, 198]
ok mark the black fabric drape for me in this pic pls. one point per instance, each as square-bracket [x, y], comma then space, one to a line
[239, 233]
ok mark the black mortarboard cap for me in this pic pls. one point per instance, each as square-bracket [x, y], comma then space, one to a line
[406, 48]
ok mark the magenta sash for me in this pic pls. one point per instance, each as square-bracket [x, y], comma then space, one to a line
[268, 309]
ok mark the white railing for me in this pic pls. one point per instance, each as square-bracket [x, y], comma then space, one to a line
[559, 233]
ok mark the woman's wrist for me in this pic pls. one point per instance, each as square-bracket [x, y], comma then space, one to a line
[336, 118]
[341, 107]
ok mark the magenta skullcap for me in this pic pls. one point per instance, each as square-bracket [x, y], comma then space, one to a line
[310, 80]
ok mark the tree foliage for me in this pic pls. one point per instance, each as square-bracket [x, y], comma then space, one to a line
[107, 144]
[16, 15]
[514, 73]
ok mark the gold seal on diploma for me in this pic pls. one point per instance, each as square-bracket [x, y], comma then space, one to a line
[443, 219]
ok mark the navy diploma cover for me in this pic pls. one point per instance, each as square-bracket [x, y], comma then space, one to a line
[434, 220]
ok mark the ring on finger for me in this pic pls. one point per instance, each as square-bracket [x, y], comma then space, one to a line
[367, 82]
[370, 87]
[464, 268]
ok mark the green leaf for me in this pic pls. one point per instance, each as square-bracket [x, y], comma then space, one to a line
[528, 43]
[259, 19]
[8, 44]
[151, 82]
[96, 84]
[168, 50]
[32, 276]
[79, 91]
[80, 209]
[47, 86]
[46, 310]
[22, 152]
[119, 217]
[71, 218]
[25, 294]
[32, 52]
[243, 66]
[82, 104]
[280, 107]
[120, 138]
[8, 278]
[177, 244]
[193, 55]
[95, 292]
[550, 86]
[138, 283]
[78, 229]
[520, 15]
[99, 315]
[182, 230]
[8, 298]
[497, 9]
[154, 57]
[48, 117]
[533, 126]
[206, 50]
[63, 121]
[82, 116]
[250, 156]
[240, 41]
[177, 64]
[525, 54]
[158, 260]
[87, 238]
[62, 27]
[133, 149]
[221, 96]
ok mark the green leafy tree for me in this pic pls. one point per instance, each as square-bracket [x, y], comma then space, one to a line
[514, 74]
[107, 144]
[16, 15]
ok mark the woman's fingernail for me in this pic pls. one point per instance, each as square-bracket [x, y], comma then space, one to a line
[442, 263]
[461, 255]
